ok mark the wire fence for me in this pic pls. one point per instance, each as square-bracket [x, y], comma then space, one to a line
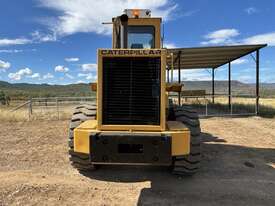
[53, 107]
[206, 106]
[220, 104]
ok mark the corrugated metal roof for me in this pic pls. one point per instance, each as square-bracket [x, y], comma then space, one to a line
[208, 57]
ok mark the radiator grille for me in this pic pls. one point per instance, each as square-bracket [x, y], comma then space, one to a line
[131, 90]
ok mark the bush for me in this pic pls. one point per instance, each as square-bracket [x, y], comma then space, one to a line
[4, 99]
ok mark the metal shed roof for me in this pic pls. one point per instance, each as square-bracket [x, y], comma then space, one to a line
[208, 57]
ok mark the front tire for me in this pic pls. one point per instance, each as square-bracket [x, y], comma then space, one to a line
[81, 113]
[188, 165]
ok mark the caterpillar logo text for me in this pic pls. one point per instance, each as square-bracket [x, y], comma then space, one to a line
[131, 52]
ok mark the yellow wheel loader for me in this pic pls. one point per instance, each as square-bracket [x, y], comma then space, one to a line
[133, 122]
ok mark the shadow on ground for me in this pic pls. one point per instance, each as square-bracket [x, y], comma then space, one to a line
[229, 175]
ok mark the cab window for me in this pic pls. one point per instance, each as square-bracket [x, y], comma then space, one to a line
[141, 37]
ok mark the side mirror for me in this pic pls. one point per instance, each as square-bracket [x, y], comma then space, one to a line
[124, 18]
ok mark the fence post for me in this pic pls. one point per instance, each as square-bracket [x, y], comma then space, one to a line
[206, 107]
[57, 107]
[256, 107]
[231, 105]
[30, 108]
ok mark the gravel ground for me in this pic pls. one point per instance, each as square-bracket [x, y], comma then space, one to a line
[238, 168]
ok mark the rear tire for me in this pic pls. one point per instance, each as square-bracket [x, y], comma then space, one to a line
[81, 113]
[188, 165]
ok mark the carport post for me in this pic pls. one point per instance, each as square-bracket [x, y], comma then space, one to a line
[179, 77]
[229, 85]
[213, 85]
[257, 80]
[168, 70]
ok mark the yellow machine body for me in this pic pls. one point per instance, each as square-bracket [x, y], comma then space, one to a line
[177, 131]
[155, 22]
[113, 53]
[180, 136]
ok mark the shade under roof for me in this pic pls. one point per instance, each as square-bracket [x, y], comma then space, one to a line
[208, 57]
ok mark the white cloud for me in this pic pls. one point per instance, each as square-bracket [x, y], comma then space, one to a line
[88, 15]
[267, 38]
[29, 74]
[48, 76]
[37, 36]
[80, 82]
[20, 74]
[190, 13]
[69, 76]
[18, 41]
[169, 45]
[25, 71]
[73, 59]
[251, 10]
[194, 75]
[82, 75]
[91, 77]
[35, 76]
[88, 67]
[228, 37]
[240, 61]
[88, 76]
[223, 36]
[4, 65]
[61, 68]
[246, 78]
[11, 50]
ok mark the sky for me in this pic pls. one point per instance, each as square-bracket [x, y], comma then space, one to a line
[56, 41]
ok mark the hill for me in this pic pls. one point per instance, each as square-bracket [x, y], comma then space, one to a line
[25, 90]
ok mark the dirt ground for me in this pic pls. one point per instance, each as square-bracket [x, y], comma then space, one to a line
[238, 168]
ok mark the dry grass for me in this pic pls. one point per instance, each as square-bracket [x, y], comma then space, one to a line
[240, 105]
[7, 116]
[270, 102]
[22, 114]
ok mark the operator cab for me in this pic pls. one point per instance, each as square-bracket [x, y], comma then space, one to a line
[135, 29]
[141, 37]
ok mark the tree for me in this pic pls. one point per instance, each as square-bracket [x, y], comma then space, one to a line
[8, 99]
[4, 99]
